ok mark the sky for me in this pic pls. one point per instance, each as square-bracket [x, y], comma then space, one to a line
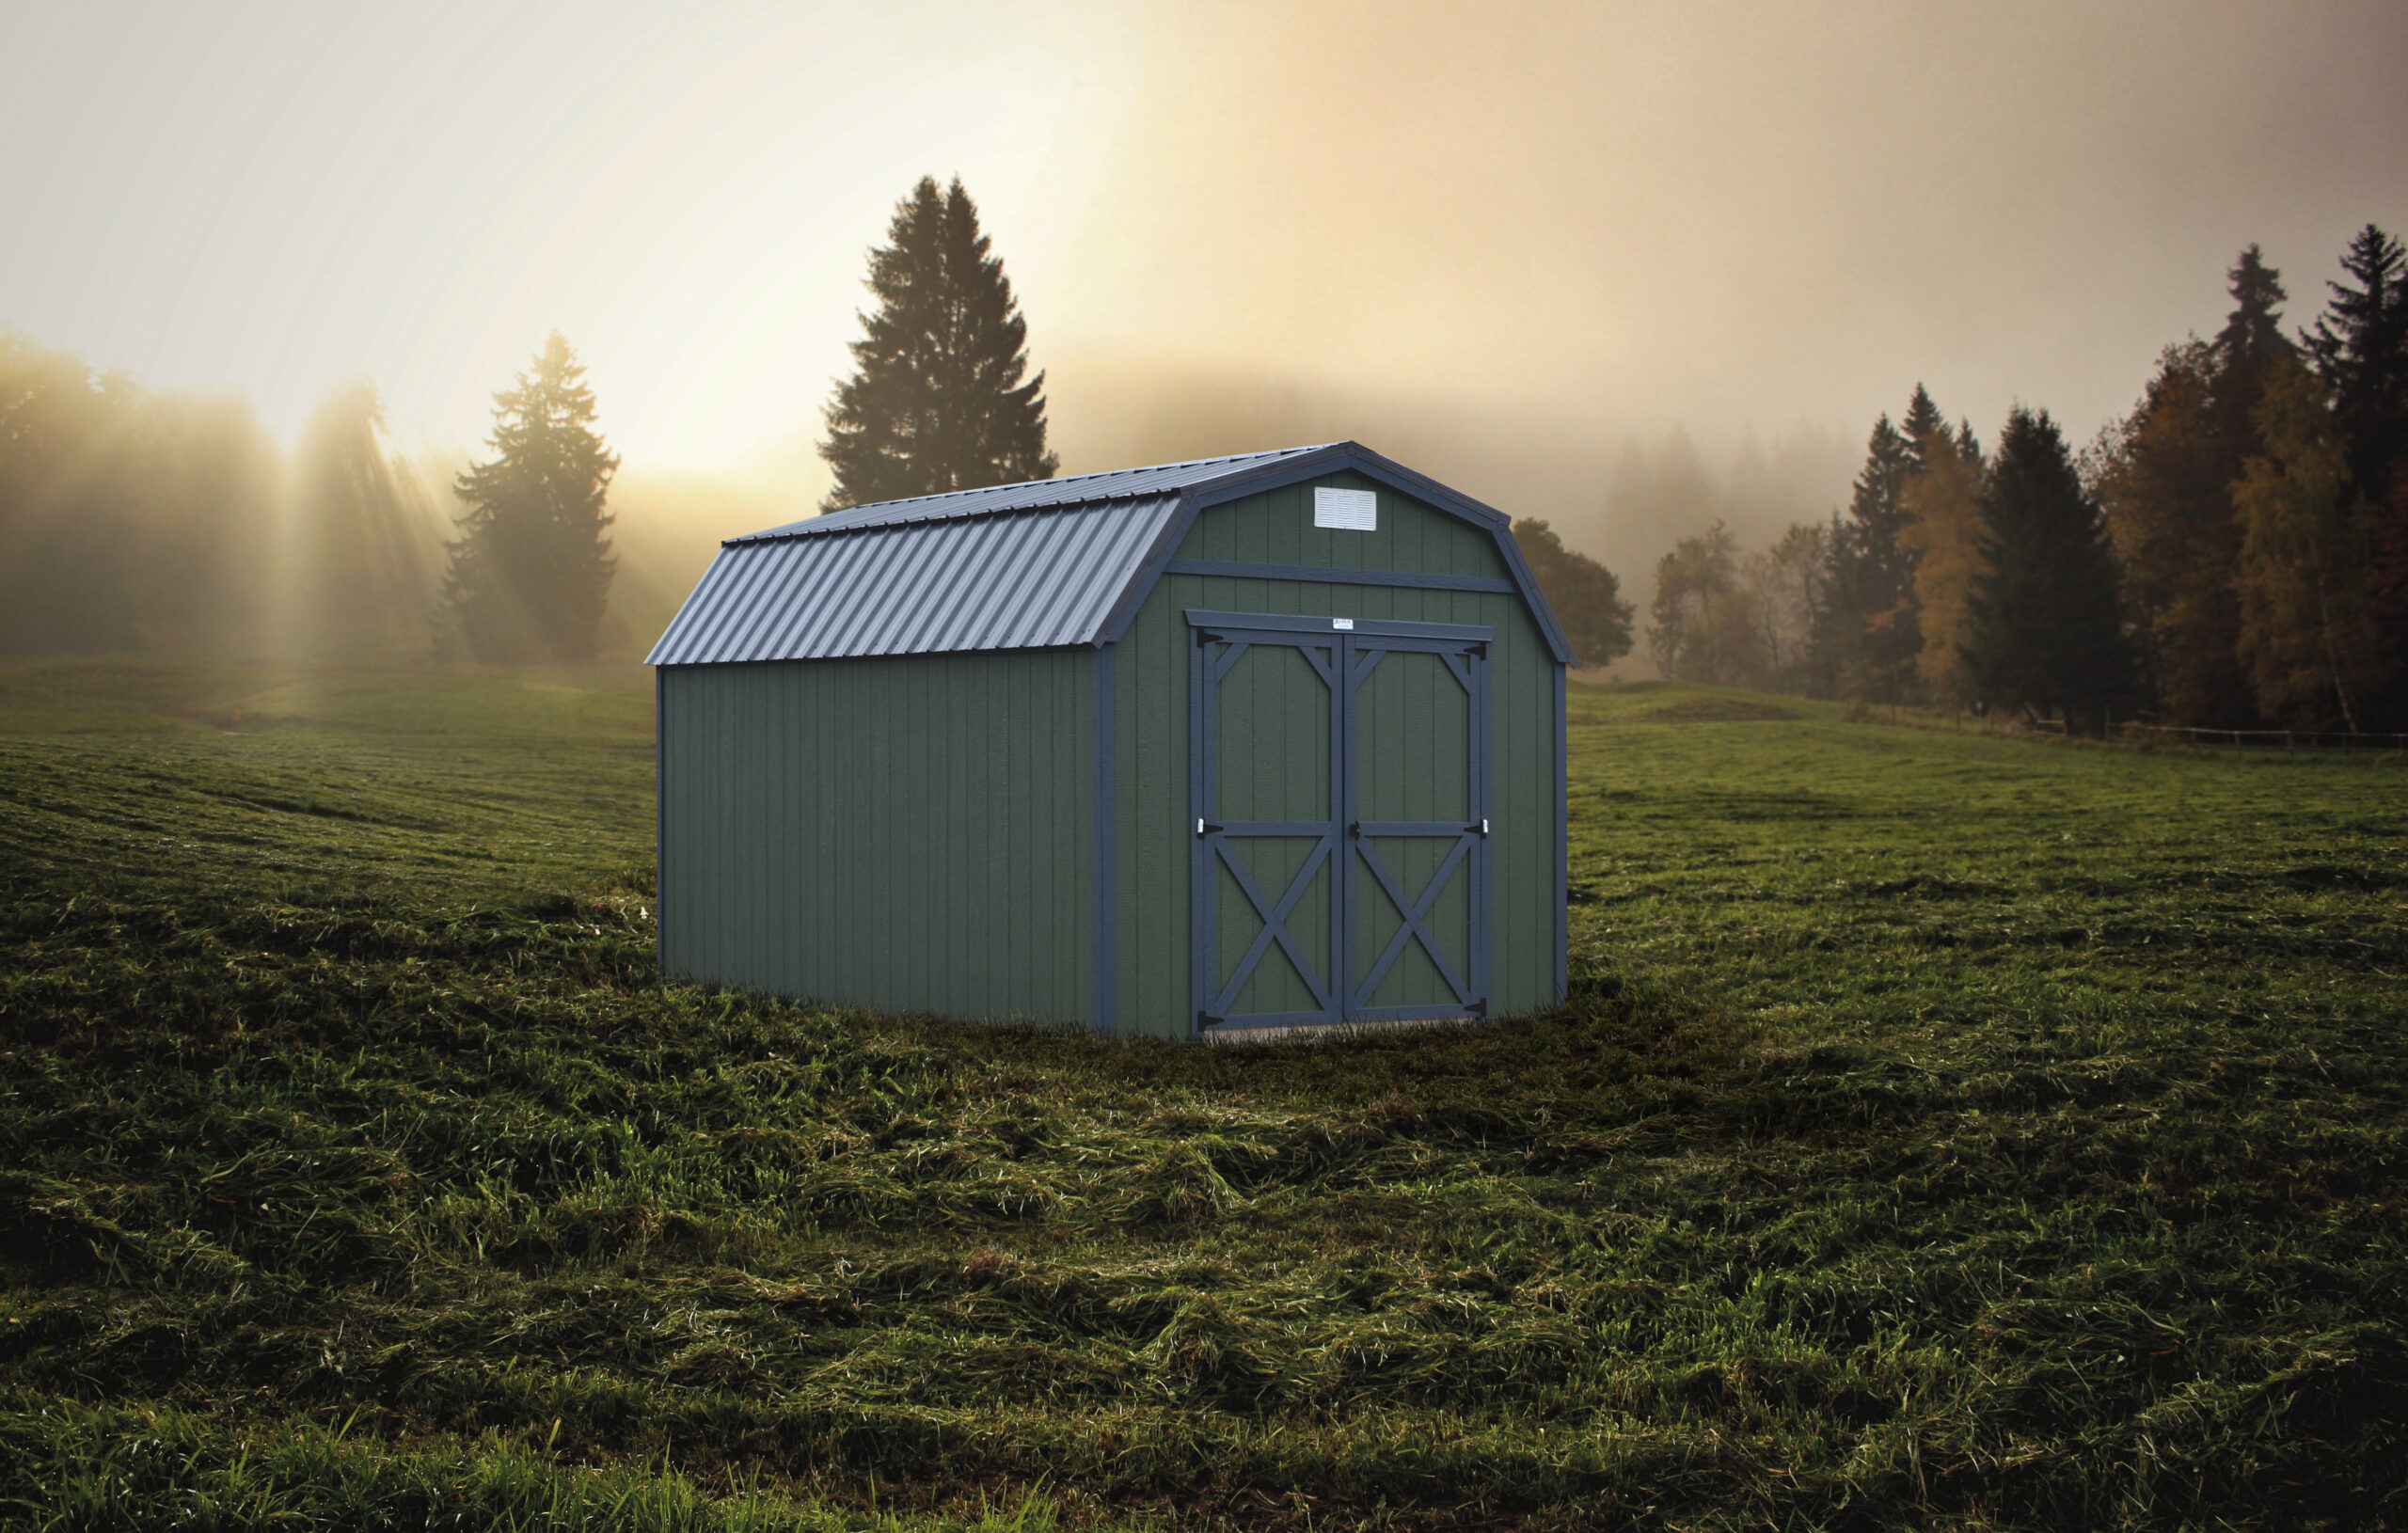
[1496, 240]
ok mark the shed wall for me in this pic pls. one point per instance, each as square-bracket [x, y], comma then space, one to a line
[1152, 836]
[904, 833]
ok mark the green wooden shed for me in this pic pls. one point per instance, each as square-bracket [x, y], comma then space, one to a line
[1252, 742]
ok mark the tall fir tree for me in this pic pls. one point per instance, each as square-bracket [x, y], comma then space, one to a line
[1867, 635]
[530, 571]
[936, 402]
[2360, 349]
[1587, 599]
[2045, 631]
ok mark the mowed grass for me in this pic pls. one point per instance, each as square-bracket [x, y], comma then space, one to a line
[1943, 1130]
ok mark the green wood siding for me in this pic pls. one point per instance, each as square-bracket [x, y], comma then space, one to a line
[906, 834]
[1152, 828]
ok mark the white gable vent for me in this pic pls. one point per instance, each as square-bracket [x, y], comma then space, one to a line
[1349, 511]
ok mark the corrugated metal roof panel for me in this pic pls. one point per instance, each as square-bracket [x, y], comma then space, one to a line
[1033, 495]
[978, 580]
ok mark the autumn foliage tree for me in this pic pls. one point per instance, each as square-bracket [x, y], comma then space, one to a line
[937, 401]
[1942, 532]
[2306, 635]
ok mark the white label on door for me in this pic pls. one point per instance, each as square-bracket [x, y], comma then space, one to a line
[1341, 623]
[1349, 511]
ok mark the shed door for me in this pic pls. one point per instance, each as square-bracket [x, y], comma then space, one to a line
[1340, 784]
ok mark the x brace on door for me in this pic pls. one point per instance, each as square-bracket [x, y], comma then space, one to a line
[1342, 660]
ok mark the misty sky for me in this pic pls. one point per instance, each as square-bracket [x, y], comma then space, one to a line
[1493, 240]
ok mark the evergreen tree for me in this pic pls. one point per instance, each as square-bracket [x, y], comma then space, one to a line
[936, 401]
[1586, 596]
[1867, 635]
[2045, 629]
[2305, 633]
[2360, 349]
[532, 570]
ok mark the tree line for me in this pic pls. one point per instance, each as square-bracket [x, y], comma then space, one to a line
[2232, 554]
[140, 522]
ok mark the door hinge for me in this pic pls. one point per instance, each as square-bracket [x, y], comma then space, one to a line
[1206, 827]
[1356, 829]
[1481, 829]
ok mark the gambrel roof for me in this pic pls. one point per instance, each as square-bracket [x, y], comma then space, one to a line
[1049, 563]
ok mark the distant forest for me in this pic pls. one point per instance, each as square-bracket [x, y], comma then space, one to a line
[2232, 554]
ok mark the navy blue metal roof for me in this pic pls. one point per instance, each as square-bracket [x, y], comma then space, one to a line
[1042, 564]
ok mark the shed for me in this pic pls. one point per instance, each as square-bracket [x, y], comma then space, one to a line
[1242, 743]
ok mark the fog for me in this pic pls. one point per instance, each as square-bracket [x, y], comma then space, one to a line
[1565, 258]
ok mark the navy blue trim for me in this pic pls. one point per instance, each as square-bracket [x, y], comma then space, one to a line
[660, 813]
[1562, 847]
[1460, 633]
[1310, 574]
[1336, 458]
[1217, 641]
[1107, 867]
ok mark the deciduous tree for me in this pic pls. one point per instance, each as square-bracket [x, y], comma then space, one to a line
[362, 538]
[1705, 626]
[1586, 596]
[2306, 633]
[1942, 530]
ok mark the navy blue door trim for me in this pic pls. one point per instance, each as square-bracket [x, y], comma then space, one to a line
[1344, 658]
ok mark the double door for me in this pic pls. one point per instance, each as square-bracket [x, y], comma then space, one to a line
[1338, 780]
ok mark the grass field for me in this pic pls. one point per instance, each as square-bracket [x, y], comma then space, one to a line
[1943, 1130]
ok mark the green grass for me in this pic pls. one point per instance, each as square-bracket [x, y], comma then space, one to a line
[1944, 1131]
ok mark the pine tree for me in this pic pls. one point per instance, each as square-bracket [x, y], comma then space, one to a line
[2045, 631]
[1867, 635]
[532, 570]
[1586, 596]
[2305, 633]
[936, 401]
[2360, 349]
